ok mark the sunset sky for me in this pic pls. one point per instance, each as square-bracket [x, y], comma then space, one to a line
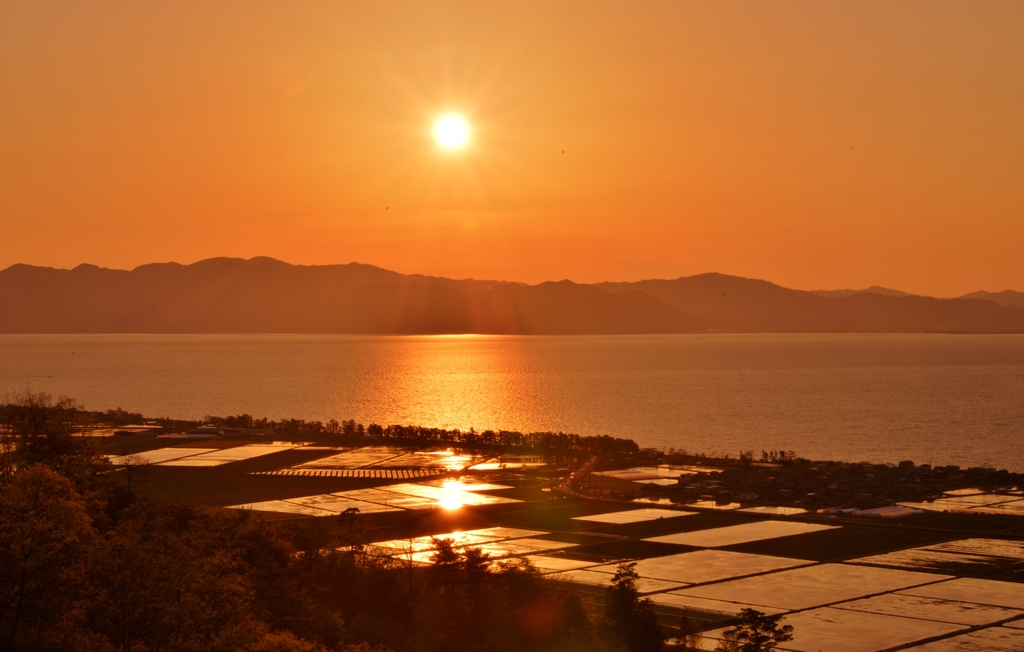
[813, 144]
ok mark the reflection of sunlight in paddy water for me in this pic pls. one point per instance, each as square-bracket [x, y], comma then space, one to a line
[385, 462]
[445, 459]
[970, 589]
[162, 455]
[703, 566]
[812, 586]
[634, 516]
[500, 540]
[455, 490]
[838, 630]
[841, 607]
[601, 578]
[205, 456]
[466, 483]
[353, 459]
[512, 462]
[946, 611]
[993, 639]
[452, 495]
[981, 553]
[734, 534]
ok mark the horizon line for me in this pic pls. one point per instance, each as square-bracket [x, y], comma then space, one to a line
[491, 280]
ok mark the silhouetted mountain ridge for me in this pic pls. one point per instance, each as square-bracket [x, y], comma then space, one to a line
[264, 295]
[874, 289]
[1004, 298]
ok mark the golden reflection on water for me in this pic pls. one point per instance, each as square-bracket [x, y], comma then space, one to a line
[453, 381]
[929, 398]
[451, 499]
[452, 461]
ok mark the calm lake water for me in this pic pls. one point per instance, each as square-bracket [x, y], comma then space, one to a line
[940, 399]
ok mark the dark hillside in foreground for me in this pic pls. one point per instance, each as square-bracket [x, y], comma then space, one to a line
[262, 295]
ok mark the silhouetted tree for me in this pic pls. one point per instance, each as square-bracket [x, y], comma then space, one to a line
[137, 468]
[351, 531]
[447, 562]
[631, 620]
[756, 632]
[35, 429]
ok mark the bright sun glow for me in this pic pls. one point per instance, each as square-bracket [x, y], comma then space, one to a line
[451, 131]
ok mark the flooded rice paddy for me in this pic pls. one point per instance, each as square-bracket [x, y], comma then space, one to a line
[188, 456]
[841, 607]
[704, 560]
[702, 566]
[634, 515]
[395, 497]
[993, 639]
[813, 586]
[733, 534]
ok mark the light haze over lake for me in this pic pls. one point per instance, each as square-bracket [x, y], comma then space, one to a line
[939, 399]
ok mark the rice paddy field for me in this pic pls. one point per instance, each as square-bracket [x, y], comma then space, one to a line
[939, 581]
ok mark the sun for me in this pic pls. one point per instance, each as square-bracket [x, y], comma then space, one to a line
[451, 131]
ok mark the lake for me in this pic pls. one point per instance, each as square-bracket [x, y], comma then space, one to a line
[939, 399]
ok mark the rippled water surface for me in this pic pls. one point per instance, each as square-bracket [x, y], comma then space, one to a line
[943, 399]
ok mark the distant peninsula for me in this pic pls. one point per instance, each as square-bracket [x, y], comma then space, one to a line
[263, 295]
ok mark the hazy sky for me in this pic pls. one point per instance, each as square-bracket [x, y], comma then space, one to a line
[813, 144]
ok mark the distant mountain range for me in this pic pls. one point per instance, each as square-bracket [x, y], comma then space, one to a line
[263, 295]
[874, 289]
[1004, 298]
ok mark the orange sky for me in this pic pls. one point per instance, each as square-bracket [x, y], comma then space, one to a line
[813, 144]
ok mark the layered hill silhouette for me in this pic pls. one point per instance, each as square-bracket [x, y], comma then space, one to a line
[263, 295]
[1004, 298]
[874, 289]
